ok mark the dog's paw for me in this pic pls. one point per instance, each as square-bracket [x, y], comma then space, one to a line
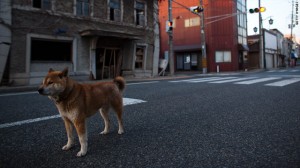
[120, 132]
[104, 132]
[67, 147]
[81, 153]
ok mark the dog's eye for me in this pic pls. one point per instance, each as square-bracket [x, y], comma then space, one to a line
[50, 82]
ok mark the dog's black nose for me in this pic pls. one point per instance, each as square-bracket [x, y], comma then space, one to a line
[40, 90]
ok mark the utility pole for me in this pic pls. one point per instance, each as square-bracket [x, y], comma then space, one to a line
[203, 43]
[171, 57]
[261, 40]
[292, 20]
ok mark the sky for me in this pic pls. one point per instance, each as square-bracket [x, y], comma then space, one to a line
[279, 10]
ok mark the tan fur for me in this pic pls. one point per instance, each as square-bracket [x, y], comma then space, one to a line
[76, 102]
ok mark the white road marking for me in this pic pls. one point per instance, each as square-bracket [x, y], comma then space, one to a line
[209, 80]
[140, 83]
[233, 80]
[256, 80]
[17, 94]
[198, 79]
[126, 101]
[6, 125]
[284, 82]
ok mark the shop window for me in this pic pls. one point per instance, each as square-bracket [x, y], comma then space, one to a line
[139, 57]
[50, 50]
[140, 13]
[115, 10]
[82, 7]
[42, 4]
[223, 56]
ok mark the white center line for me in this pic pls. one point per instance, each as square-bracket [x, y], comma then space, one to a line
[126, 101]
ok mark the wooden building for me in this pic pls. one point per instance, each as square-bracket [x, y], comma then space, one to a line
[225, 34]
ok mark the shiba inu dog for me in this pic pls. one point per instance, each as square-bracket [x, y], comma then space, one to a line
[76, 102]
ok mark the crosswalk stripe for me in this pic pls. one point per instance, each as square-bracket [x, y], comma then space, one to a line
[284, 70]
[233, 80]
[256, 80]
[209, 80]
[284, 82]
[243, 80]
[198, 79]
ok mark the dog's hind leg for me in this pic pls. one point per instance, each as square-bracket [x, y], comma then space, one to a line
[69, 129]
[104, 113]
[118, 107]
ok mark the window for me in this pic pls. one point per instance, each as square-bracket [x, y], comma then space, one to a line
[83, 8]
[140, 13]
[50, 50]
[42, 4]
[242, 22]
[192, 22]
[223, 56]
[115, 10]
[139, 57]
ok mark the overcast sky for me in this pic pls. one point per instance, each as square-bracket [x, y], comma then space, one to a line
[279, 10]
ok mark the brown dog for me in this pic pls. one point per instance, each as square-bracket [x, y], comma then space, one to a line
[76, 102]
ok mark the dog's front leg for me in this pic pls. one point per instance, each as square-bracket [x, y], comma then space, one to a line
[69, 129]
[82, 135]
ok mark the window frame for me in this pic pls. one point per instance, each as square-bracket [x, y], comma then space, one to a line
[144, 60]
[137, 17]
[38, 40]
[223, 56]
[42, 4]
[85, 8]
[112, 16]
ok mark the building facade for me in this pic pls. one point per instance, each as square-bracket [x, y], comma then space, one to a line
[96, 39]
[225, 34]
[276, 50]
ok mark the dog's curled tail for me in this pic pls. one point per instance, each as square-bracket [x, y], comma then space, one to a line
[120, 82]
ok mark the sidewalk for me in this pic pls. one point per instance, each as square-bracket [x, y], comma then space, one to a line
[178, 75]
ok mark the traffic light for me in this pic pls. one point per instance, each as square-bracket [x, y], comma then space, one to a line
[196, 9]
[169, 26]
[257, 10]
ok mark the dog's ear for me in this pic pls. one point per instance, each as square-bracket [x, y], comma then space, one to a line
[50, 70]
[64, 73]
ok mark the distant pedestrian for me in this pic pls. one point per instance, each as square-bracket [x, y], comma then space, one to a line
[296, 57]
[293, 58]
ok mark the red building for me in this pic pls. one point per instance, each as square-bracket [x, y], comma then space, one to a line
[225, 34]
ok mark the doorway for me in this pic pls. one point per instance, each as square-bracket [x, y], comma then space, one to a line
[187, 61]
[108, 63]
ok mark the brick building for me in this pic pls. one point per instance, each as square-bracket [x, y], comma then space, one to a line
[225, 29]
[95, 38]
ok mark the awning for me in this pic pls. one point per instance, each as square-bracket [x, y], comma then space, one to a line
[118, 34]
[243, 47]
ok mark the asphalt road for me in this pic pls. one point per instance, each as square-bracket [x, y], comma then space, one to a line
[182, 123]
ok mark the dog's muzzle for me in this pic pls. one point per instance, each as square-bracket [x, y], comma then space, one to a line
[41, 91]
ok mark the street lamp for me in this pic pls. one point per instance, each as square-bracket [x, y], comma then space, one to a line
[271, 21]
[255, 29]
